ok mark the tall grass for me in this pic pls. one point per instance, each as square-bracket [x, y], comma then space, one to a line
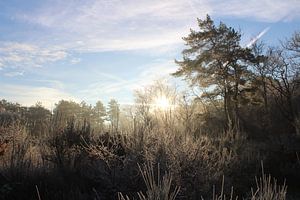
[268, 189]
[157, 187]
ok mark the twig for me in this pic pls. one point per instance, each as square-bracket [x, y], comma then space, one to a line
[38, 193]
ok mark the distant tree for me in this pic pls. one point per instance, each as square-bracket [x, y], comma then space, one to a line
[99, 114]
[10, 107]
[86, 113]
[37, 119]
[216, 62]
[65, 111]
[113, 114]
[12, 112]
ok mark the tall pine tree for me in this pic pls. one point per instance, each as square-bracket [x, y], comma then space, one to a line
[215, 61]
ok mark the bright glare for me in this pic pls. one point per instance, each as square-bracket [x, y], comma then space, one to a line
[162, 103]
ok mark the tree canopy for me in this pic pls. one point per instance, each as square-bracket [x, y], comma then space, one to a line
[215, 61]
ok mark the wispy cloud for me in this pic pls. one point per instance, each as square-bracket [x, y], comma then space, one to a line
[22, 55]
[154, 71]
[29, 95]
[1, 64]
[49, 83]
[114, 25]
[75, 61]
[141, 24]
[110, 85]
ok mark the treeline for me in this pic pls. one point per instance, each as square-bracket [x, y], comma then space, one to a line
[37, 118]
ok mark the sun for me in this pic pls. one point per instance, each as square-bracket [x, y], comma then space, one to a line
[162, 103]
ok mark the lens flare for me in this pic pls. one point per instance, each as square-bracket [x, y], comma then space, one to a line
[162, 103]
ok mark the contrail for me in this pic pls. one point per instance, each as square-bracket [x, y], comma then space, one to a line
[254, 40]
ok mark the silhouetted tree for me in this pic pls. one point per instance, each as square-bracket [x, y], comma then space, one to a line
[113, 114]
[215, 61]
[293, 44]
[100, 113]
[86, 113]
[66, 111]
[37, 119]
[284, 82]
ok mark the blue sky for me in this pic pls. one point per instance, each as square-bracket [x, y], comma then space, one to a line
[101, 49]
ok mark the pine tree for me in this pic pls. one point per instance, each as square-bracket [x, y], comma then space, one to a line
[215, 61]
[114, 114]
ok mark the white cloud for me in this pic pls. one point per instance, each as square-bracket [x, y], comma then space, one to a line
[110, 25]
[115, 25]
[22, 55]
[1, 64]
[107, 25]
[29, 95]
[75, 61]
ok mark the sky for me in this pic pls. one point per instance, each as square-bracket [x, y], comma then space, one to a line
[90, 50]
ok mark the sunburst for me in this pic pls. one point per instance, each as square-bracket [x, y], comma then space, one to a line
[162, 103]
